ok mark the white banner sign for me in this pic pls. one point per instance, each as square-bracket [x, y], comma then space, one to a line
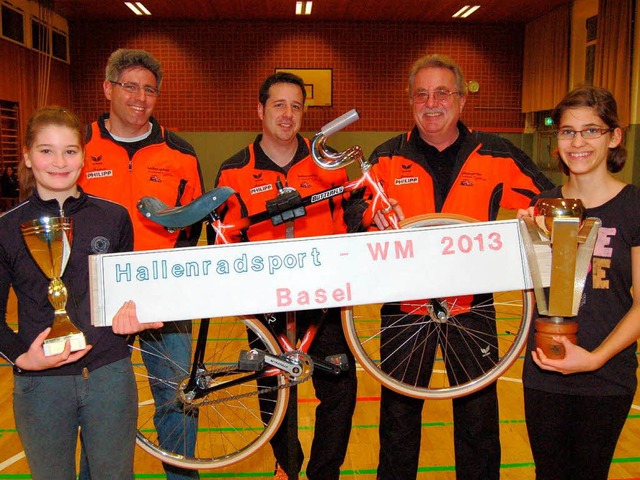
[308, 273]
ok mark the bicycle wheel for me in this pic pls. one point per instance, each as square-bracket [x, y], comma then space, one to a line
[439, 349]
[226, 425]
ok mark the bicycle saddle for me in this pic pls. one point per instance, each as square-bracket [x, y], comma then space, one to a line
[183, 216]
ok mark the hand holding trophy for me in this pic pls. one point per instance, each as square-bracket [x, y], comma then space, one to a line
[48, 240]
[559, 223]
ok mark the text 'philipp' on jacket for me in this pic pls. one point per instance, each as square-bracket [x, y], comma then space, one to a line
[162, 166]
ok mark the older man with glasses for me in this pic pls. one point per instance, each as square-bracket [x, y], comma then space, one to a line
[442, 166]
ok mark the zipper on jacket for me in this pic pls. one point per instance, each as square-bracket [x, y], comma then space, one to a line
[181, 187]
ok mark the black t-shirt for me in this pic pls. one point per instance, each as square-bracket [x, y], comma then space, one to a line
[605, 300]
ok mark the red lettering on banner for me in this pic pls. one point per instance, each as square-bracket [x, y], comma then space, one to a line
[285, 297]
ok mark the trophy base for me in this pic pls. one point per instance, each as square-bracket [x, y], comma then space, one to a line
[55, 346]
[547, 328]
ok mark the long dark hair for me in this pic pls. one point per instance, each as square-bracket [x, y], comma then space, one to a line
[605, 107]
[43, 117]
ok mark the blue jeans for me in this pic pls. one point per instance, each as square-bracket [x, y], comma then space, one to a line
[49, 410]
[173, 426]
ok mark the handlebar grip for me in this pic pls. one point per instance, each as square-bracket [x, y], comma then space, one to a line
[339, 123]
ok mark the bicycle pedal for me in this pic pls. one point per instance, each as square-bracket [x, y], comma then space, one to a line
[340, 360]
[251, 360]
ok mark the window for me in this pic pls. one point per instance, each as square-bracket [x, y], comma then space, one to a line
[9, 134]
[26, 22]
[39, 36]
[12, 24]
[59, 45]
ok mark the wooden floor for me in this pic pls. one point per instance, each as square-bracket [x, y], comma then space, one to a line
[436, 460]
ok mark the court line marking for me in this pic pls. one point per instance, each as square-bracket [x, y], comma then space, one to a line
[10, 461]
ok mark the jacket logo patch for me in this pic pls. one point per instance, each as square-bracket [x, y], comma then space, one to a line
[260, 189]
[469, 179]
[155, 178]
[257, 176]
[96, 159]
[100, 174]
[406, 166]
[405, 181]
[305, 185]
[100, 244]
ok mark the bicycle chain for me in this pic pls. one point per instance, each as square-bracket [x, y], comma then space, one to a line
[304, 359]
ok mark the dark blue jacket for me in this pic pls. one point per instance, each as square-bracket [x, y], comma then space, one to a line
[99, 226]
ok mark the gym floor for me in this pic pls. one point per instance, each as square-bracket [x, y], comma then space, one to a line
[436, 460]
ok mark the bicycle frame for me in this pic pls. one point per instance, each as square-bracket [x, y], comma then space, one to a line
[292, 202]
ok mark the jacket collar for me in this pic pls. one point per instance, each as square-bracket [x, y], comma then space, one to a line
[69, 207]
[156, 129]
[263, 162]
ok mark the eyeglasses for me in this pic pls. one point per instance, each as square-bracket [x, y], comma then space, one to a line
[587, 133]
[134, 88]
[439, 96]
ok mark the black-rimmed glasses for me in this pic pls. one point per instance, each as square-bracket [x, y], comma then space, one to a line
[134, 88]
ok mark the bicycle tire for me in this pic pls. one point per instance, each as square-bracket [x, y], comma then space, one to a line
[415, 345]
[227, 431]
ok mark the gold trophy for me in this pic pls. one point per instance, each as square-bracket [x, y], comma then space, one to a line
[48, 239]
[558, 225]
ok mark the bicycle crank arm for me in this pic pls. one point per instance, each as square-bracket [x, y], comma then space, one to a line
[293, 368]
[333, 364]
[255, 360]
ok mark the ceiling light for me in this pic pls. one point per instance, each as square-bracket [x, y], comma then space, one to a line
[138, 8]
[143, 8]
[304, 7]
[470, 11]
[465, 11]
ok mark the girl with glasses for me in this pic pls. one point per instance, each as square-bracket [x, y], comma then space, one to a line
[576, 407]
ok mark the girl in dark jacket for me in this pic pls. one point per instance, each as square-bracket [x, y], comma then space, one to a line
[92, 388]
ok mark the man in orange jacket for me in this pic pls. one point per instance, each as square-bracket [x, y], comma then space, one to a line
[280, 153]
[130, 155]
[442, 166]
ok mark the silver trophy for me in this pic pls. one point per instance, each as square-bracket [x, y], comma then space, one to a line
[48, 240]
[558, 225]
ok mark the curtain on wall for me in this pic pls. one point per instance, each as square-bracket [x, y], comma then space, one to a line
[613, 52]
[546, 60]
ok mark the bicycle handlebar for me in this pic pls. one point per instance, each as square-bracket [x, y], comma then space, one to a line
[339, 123]
[330, 160]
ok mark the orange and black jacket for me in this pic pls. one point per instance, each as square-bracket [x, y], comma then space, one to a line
[163, 166]
[489, 172]
[253, 176]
